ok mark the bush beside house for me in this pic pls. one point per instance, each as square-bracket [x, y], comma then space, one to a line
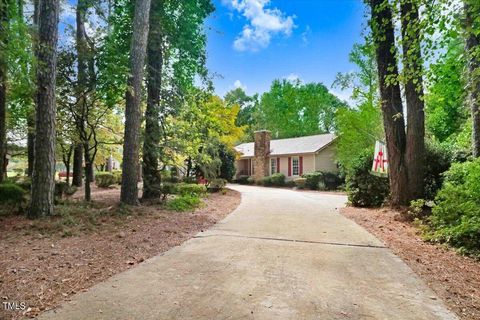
[363, 188]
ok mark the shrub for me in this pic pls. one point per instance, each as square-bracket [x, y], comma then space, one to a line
[290, 184]
[456, 217]
[363, 188]
[216, 185]
[167, 188]
[105, 179]
[245, 180]
[300, 183]
[25, 184]
[227, 168]
[266, 181]
[437, 161]
[11, 193]
[189, 179]
[320, 180]
[71, 190]
[189, 189]
[118, 176]
[312, 180]
[332, 180]
[61, 188]
[183, 203]
[278, 179]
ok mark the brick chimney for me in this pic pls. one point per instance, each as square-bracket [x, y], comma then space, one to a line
[261, 154]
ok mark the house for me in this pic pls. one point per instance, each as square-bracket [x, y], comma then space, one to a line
[292, 157]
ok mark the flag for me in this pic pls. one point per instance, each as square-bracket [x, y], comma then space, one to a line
[380, 160]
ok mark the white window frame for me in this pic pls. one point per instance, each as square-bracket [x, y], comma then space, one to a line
[293, 166]
[273, 165]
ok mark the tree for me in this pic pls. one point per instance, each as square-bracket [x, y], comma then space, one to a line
[130, 166]
[359, 126]
[175, 55]
[472, 49]
[3, 87]
[413, 86]
[247, 116]
[43, 180]
[390, 98]
[445, 108]
[151, 173]
[292, 109]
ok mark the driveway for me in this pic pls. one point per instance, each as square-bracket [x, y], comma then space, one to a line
[281, 254]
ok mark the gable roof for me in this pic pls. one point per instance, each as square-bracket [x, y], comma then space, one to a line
[301, 145]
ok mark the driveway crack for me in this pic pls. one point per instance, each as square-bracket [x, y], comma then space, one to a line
[294, 240]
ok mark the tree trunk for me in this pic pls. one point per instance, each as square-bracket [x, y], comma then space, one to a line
[412, 65]
[3, 88]
[77, 165]
[31, 115]
[151, 173]
[129, 190]
[30, 141]
[472, 48]
[43, 180]
[391, 100]
[88, 172]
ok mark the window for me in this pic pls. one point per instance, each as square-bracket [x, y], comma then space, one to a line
[273, 166]
[295, 166]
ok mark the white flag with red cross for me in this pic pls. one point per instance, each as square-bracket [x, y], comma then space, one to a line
[380, 159]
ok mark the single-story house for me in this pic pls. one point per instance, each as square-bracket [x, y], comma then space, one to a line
[292, 157]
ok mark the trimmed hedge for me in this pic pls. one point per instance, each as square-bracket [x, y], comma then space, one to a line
[189, 189]
[105, 179]
[323, 180]
[363, 188]
[182, 203]
[11, 193]
[276, 180]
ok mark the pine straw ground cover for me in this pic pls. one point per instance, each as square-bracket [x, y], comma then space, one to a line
[46, 261]
[454, 278]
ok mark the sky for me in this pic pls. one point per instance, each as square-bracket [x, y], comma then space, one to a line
[253, 42]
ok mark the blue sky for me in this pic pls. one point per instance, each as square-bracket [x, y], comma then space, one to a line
[252, 42]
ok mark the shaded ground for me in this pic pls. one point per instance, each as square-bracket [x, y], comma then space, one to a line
[280, 255]
[455, 278]
[44, 262]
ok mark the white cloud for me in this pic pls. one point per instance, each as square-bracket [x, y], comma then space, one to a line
[305, 35]
[263, 24]
[239, 84]
[293, 77]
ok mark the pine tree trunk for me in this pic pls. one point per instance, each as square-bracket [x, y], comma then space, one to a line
[3, 89]
[88, 172]
[30, 141]
[43, 180]
[472, 48]
[412, 62]
[31, 115]
[391, 100]
[77, 176]
[129, 191]
[151, 173]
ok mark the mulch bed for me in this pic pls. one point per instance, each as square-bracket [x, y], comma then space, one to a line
[43, 267]
[454, 278]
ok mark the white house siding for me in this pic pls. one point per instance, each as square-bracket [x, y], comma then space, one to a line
[325, 159]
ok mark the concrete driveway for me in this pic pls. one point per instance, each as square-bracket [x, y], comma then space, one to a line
[280, 255]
